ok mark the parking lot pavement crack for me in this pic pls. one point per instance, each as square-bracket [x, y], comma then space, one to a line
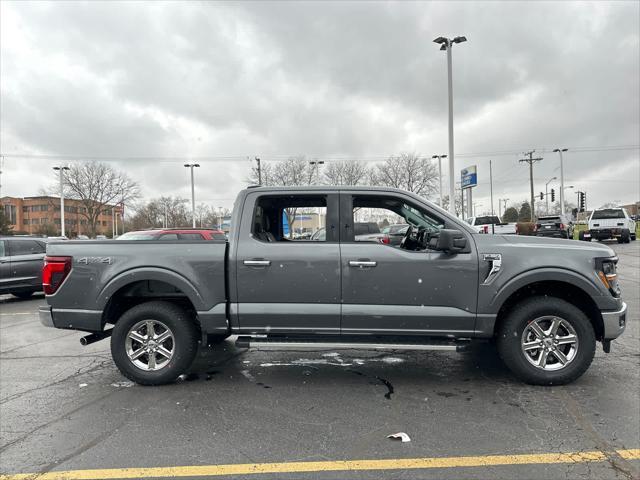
[614, 459]
[57, 419]
[81, 371]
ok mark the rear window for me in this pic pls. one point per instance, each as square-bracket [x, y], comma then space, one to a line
[608, 213]
[548, 219]
[365, 228]
[488, 220]
[219, 236]
[169, 236]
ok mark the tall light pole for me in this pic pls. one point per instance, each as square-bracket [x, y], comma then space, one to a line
[440, 157]
[560, 150]
[61, 170]
[193, 193]
[546, 193]
[447, 44]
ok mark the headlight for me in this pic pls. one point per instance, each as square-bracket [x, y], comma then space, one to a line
[608, 275]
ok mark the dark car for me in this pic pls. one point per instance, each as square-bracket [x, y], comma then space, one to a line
[21, 260]
[554, 226]
[395, 233]
[175, 234]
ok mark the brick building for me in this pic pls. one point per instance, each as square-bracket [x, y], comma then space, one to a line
[41, 215]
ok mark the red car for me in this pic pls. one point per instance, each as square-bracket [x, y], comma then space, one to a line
[204, 234]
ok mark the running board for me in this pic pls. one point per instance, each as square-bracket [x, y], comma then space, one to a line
[266, 344]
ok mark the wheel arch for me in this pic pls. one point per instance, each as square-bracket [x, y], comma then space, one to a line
[564, 290]
[136, 286]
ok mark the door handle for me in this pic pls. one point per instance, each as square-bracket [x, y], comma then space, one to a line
[257, 263]
[362, 263]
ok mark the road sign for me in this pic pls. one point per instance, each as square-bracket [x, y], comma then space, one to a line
[469, 177]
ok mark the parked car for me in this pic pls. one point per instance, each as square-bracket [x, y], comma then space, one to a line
[559, 226]
[444, 287]
[21, 260]
[101, 237]
[169, 234]
[492, 224]
[395, 233]
[365, 232]
[609, 223]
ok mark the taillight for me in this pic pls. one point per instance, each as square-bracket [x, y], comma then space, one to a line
[486, 229]
[385, 239]
[562, 226]
[536, 227]
[54, 271]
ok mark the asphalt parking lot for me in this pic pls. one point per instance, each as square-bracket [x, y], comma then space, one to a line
[64, 407]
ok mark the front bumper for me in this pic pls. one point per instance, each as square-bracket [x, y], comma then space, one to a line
[614, 322]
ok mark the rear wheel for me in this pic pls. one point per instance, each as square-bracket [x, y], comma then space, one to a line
[626, 236]
[546, 341]
[154, 342]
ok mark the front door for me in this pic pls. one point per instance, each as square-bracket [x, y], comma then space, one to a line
[288, 264]
[387, 289]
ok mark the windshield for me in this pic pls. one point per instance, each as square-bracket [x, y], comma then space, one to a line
[137, 236]
[608, 213]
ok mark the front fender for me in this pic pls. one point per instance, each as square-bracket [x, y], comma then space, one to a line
[150, 273]
[541, 275]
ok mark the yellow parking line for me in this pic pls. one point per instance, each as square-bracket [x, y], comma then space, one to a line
[329, 466]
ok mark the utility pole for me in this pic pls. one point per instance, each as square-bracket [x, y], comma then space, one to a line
[259, 171]
[491, 186]
[61, 170]
[530, 161]
[315, 165]
[193, 194]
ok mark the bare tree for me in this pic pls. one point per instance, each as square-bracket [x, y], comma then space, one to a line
[98, 187]
[159, 212]
[346, 172]
[408, 171]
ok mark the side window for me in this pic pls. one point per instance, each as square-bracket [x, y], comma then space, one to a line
[386, 220]
[2, 254]
[219, 236]
[26, 247]
[169, 236]
[191, 236]
[290, 219]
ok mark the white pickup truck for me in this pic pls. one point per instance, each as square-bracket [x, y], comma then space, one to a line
[492, 224]
[609, 223]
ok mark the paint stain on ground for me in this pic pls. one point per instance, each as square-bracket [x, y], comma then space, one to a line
[390, 389]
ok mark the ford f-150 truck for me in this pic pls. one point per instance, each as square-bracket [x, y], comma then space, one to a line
[492, 224]
[610, 223]
[544, 301]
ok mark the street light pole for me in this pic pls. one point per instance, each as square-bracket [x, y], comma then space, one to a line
[440, 157]
[61, 170]
[193, 194]
[546, 193]
[447, 44]
[560, 150]
[315, 165]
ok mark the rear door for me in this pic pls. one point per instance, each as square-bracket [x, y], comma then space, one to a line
[390, 290]
[27, 257]
[5, 266]
[285, 283]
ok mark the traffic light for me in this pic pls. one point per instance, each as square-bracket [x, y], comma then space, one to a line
[553, 195]
[581, 201]
[541, 196]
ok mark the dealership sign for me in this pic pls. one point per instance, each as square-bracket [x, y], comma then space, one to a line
[469, 177]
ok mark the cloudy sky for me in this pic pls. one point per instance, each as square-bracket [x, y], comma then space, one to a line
[150, 85]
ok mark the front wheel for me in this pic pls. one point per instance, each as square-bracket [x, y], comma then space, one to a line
[154, 343]
[546, 341]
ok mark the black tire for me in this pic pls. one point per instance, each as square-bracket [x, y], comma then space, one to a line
[185, 335]
[620, 239]
[626, 236]
[511, 333]
[633, 237]
[23, 295]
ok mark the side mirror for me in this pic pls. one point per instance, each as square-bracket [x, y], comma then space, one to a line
[451, 241]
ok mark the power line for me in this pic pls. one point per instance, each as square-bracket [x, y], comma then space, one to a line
[282, 157]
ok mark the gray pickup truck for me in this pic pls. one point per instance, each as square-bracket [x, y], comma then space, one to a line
[544, 301]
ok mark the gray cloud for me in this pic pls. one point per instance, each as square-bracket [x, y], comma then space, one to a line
[362, 80]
